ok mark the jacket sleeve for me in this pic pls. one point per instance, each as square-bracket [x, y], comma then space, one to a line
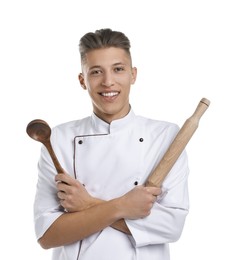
[167, 218]
[46, 204]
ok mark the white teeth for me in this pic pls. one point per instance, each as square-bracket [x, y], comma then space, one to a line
[109, 94]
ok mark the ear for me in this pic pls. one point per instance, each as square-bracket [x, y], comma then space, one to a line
[82, 80]
[134, 75]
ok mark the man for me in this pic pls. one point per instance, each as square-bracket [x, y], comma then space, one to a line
[99, 208]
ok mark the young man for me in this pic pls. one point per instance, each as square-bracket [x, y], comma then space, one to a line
[100, 208]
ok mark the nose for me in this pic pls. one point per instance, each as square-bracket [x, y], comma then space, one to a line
[107, 80]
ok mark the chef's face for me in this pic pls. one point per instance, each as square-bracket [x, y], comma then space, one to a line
[107, 74]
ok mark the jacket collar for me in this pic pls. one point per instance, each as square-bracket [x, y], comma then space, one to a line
[101, 126]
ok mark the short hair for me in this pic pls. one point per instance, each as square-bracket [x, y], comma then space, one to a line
[103, 38]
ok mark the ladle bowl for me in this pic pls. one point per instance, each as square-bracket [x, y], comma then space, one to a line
[40, 131]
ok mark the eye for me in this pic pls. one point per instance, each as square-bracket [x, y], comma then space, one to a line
[95, 72]
[119, 69]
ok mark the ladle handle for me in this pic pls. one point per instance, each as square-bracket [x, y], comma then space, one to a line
[53, 157]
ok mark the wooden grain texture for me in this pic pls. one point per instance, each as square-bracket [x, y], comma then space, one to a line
[175, 149]
[40, 131]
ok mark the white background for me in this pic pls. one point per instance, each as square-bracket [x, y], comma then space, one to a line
[182, 52]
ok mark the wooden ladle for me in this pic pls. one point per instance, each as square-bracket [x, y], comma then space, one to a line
[40, 131]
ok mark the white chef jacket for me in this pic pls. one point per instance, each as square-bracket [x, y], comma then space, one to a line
[110, 159]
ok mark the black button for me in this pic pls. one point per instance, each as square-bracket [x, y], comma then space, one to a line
[136, 183]
[141, 139]
[80, 142]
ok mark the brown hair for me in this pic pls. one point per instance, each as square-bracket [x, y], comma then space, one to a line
[103, 38]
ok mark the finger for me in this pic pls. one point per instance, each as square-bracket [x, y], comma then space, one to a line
[61, 177]
[154, 199]
[65, 178]
[157, 191]
[153, 190]
[63, 204]
[61, 195]
[149, 190]
[62, 186]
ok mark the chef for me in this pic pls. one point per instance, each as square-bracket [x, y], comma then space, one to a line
[99, 208]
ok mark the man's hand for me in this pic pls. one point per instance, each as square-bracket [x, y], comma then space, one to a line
[138, 202]
[135, 204]
[72, 194]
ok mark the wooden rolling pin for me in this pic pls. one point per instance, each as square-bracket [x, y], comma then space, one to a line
[175, 149]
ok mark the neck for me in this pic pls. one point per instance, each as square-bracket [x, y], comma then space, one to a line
[108, 118]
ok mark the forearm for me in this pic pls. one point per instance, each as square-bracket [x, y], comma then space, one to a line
[72, 227]
[88, 215]
[119, 225]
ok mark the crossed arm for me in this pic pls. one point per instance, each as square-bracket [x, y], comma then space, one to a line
[87, 215]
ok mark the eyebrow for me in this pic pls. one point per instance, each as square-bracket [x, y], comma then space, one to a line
[115, 64]
[94, 67]
[119, 63]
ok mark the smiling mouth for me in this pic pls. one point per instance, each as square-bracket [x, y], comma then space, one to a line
[109, 94]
